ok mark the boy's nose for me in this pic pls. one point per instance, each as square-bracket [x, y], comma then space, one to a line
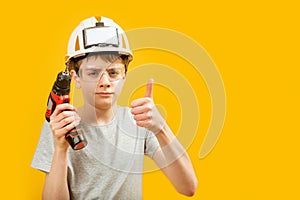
[104, 81]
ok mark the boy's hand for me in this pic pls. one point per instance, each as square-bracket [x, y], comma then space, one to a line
[62, 120]
[145, 112]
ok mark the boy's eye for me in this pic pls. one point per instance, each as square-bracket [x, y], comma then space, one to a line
[114, 72]
[93, 73]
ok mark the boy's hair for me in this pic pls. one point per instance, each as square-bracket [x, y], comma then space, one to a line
[75, 63]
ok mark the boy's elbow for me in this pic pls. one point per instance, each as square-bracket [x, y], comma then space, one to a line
[191, 189]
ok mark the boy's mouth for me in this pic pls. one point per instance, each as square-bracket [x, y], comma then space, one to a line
[104, 94]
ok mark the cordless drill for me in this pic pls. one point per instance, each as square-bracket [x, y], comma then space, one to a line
[58, 95]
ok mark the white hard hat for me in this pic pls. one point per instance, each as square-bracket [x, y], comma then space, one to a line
[98, 34]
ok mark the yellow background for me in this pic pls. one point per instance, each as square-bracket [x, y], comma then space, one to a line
[255, 45]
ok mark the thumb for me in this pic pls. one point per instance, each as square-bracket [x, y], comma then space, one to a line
[149, 88]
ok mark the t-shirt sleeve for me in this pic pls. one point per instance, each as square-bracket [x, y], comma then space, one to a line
[151, 144]
[43, 155]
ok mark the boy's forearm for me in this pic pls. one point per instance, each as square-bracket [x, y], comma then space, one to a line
[175, 162]
[56, 185]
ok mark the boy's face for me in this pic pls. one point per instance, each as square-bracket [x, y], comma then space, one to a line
[101, 81]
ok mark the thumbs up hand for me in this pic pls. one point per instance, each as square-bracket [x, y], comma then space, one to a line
[145, 113]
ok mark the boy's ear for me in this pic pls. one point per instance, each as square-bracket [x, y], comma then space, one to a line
[75, 78]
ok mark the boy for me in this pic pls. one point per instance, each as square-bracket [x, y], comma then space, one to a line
[111, 165]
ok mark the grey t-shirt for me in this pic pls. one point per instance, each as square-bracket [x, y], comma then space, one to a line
[110, 166]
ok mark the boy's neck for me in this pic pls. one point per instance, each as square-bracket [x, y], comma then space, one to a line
[96, 116]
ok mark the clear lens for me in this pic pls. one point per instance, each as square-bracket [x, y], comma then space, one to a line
[94, 74]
